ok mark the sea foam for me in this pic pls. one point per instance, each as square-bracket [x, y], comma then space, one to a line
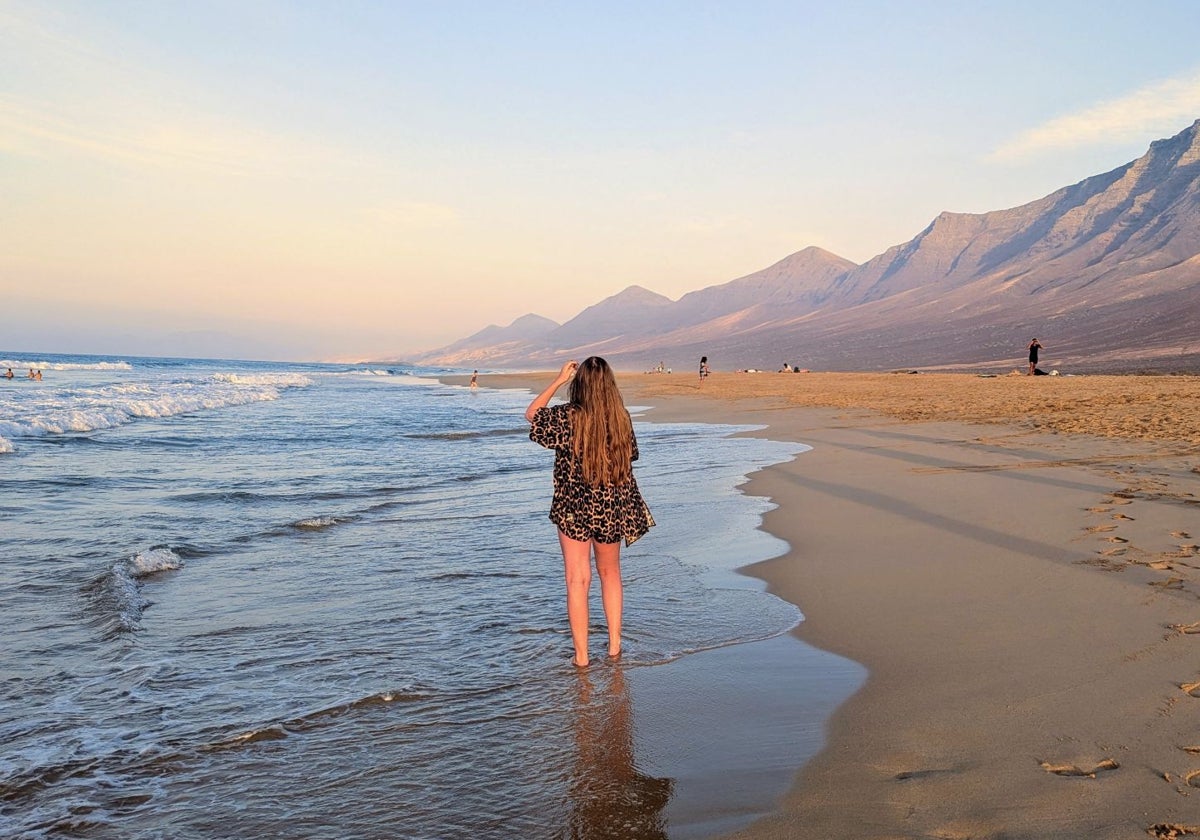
[15, 364]
[274, 380]
[54, 412]
[121, 586]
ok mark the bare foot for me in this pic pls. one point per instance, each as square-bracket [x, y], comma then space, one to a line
[575, 661]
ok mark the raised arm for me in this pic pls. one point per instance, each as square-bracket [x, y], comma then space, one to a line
[543, 399]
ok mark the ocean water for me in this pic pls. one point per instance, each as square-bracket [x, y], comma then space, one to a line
[281, 600]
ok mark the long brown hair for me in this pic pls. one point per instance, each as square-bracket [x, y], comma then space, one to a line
[602, 432]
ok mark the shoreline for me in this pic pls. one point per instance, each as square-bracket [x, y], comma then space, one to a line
[1022, 595]
[729, 768]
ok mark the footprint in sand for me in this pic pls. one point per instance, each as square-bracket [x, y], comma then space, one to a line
[1192, 779]
[1105, 563]
[1076, 770]
[1120, 500]
[1172, 831]
[1181, 535]
[1098, 509]
[1122, 516]
[1186, 550]
[1112, 552]
[1116, 539]
[922, 774]
[1098, 529]
[1191, 689]
[1169, 583]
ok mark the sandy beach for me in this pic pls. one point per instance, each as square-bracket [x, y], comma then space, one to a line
[1015, 561]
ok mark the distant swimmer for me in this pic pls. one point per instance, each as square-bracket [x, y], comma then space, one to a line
[9, 374]
[31, 374]
[38, 376]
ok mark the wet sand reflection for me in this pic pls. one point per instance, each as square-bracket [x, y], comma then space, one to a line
[610, 797]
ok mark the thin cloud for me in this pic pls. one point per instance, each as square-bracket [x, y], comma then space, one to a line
[161, 141]
[82, 97]
[54, 37]
[1152, 111]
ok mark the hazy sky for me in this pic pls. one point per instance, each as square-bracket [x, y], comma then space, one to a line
[350, 179]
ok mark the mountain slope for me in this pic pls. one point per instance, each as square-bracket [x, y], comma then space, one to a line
[493, 342]
[1142, 215]
[796, 283]
[1106, 272]
[630, 312]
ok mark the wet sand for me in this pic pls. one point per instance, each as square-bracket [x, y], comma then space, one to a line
[1015, 561]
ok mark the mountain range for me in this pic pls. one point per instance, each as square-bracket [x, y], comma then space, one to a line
[1105, 272]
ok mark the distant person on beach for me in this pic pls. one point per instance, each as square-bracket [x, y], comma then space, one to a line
[703, 368]
[9, 374]
[38, 376]
[596, 500]
[1034, 347]
[475, 379]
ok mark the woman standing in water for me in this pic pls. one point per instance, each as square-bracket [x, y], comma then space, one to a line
[596, 498]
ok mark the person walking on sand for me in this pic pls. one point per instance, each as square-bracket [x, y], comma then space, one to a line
[1034, 347]
[596, 501]
[703, 368]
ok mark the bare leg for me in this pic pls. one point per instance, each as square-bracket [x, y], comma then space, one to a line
[577, 565]
[608, 565]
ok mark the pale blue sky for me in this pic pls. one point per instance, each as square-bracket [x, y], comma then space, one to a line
[319, 179]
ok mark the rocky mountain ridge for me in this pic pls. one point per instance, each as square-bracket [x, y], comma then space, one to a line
[1105, 271]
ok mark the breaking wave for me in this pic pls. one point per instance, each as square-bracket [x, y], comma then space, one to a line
[25, 365]
[118, 592]
[273, 380]
[89, 409]
[320, 523]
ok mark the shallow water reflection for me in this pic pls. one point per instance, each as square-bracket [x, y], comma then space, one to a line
[335, 610]
[610, 796]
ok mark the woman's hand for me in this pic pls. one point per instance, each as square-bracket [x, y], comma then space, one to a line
[543, 399]
[568, 370]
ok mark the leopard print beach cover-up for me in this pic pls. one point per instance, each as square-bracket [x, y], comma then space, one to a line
[606, 514]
